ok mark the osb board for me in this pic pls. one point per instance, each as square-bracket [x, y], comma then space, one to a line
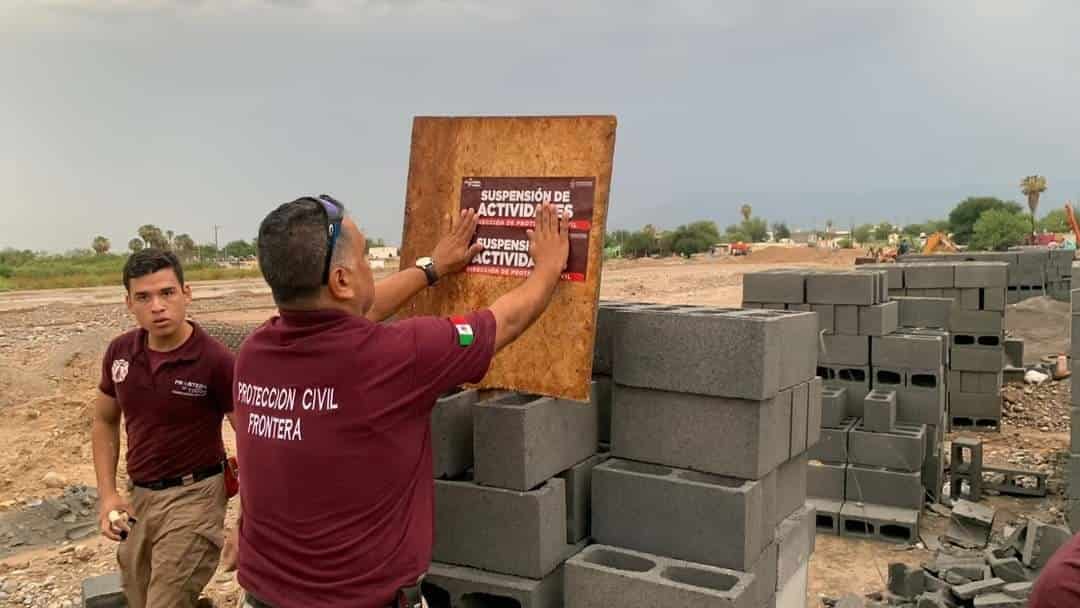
[554, 356]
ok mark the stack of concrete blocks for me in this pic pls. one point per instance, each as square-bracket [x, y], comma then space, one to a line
[703, 502]
[863, 349]
[512, 474]
[1073, 485]
[1033, 271]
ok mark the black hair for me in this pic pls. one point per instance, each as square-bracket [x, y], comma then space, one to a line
[292, 249]
[148, 261]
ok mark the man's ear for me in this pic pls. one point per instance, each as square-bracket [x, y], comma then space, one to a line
[341, 283]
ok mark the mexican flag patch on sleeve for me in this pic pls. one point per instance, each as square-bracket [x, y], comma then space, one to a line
[464, 331]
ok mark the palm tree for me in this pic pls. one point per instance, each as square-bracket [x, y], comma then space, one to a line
[1032, 186]
[746, 210]
[135, 245]
[101, 245]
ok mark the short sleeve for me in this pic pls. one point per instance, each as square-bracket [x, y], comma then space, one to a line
[106, 384]
[453, 351]
[223, 380]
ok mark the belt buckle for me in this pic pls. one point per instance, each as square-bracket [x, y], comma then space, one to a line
[188, 479]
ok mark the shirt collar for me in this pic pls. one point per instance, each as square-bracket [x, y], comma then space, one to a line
[190, 350]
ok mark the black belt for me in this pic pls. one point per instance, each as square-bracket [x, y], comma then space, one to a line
[185, 480]
[407, 597]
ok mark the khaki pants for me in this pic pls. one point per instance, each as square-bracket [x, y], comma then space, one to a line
[175, 545]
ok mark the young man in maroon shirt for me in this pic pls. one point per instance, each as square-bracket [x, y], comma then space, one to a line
[172, 384]
[333, 408]
[1058, 585]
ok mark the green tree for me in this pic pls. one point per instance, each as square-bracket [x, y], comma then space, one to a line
[755, 229]
[239, 249]
[1055, 221]
[862, 233]
[101, 245]
[999, 229]
[963, 217]
[844, 243]
[638, 244]
[135, 245]
[152, 236]
[781, 231]
[746, 210]
[689, 239]
[883, 230]
[184, 246]
[1032, 187]
[208, 252]
[169, 241]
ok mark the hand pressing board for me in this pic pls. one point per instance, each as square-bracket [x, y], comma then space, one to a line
[503, 165]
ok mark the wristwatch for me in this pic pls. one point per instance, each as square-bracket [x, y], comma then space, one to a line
[428, 267]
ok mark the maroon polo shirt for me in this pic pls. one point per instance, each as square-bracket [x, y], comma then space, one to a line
[334, 442]
[1058, 585]
[173, 402]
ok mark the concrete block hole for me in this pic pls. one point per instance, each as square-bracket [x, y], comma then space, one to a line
[887, 377]
[852, 375]
[895, 531]
[857, 526]
[619, 561]
[699, 578]
[826, 521]
[826, 373]
[963, 340]
[518, 399]
[989, 341]
[924, 380]
[639, 467]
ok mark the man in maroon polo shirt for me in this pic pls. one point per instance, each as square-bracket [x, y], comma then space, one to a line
[1058, 585]
[172, 384]
[333, 408]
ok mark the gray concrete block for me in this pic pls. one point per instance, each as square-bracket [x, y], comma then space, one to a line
[993, 298]
[1008, 569]
[982, 274]
[603, 576]
[928, 276]
[452, 434]
[708, 519]
[1012, 296]
[859, 288]
[881, 522]
[970, 590]
[825, 480]
[1019, 590]
[1074, 425]
[923, 399]
[105, 591]
[826, 317]
[980, 382]
[681, 430]
[979, 322]
[907, 350]
[924, 311]
[814, 411]
[894, 274]
[879, 411]
[833, 447]
[974, 405]
[1074, 297]
[886, 487]
[604, 343]
[977, 358]
[847, 319]
[578, 480]
[834, 407]
[879, 319]
[952, 294]
[856, 383]
[790, 491]
[840, 349]
[827, 514]
[799, 307]
[779, 285]
[504, 531]
[520, 440]
[970, 298]
[903, 449]
[928, 293]
[1041, 542]
[998, 599]
[897, 293]
[600, 392]
[794, 536]
[774, 306]
[447, 585]
[762, 351]
[800, 413]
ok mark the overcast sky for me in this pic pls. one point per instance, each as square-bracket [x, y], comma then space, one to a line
[189, 113]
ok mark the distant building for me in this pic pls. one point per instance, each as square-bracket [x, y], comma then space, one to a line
[383, 253]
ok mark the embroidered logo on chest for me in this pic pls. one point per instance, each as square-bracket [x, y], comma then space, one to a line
[119, 370]
[188, 388]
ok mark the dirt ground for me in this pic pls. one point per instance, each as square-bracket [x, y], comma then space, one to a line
[51, 343]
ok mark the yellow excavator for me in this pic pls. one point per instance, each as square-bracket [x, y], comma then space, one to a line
[939, 242]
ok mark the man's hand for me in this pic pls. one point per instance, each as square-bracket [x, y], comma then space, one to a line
[231, 549]
[549, 243]
[114, 531]
[453, 252]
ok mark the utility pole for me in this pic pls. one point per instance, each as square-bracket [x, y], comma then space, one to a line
[216, 228]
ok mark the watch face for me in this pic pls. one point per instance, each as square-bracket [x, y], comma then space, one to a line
[423, 262]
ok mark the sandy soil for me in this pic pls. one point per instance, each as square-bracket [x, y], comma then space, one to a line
[51, 343]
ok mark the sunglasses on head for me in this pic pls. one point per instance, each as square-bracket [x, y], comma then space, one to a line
[335, 213]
